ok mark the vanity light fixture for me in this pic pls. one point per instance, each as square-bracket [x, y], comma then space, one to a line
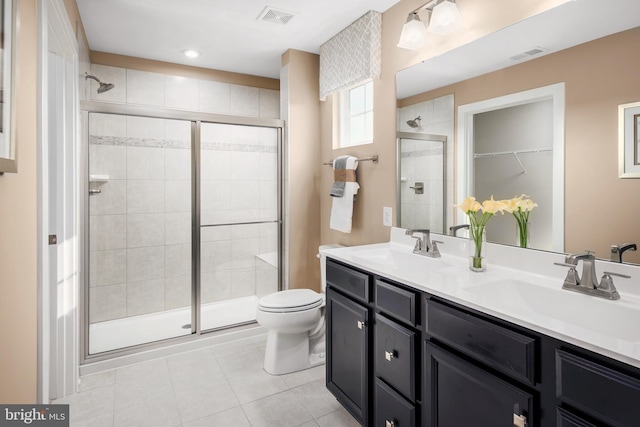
[414, 33]
[191, 53]
[444, 19]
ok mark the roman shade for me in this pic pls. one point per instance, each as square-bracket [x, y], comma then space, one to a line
[352, 56]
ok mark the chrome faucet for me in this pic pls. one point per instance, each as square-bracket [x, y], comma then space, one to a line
[454, 229]
[618, 250]
[588, 282]
[424, 245]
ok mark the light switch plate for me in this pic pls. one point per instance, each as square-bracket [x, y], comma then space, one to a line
[386, 216]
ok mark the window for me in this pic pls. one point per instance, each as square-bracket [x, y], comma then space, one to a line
[356, 115]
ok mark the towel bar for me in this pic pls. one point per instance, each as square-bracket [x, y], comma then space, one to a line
[374, 159]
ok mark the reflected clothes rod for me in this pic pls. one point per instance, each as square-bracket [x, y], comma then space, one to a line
[514, 154]
[373, 159]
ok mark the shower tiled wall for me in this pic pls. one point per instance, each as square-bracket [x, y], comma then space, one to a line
[437, 117]
[140, 224]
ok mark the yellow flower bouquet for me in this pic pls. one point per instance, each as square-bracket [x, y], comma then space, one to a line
[479, 215]
[520, 207]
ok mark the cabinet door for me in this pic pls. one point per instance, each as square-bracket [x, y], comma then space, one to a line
[459, 393]
[347, 352]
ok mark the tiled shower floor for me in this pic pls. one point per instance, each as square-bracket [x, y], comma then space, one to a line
[221, 385]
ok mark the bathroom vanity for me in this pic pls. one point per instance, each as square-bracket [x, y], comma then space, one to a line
[425, 342]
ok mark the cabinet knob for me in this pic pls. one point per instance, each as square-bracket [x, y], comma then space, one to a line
[519, 420]
[388, 423]
[361, 324]
[389, 355]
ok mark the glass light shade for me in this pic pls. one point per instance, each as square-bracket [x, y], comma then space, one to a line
[414, 33]
[445, 18]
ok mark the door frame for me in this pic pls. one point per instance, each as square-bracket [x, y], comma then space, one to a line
[465, 141]
[58, 263]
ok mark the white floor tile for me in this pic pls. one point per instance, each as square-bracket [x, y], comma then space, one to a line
[219, 385]
[206, 400]
[256, 385]
[339, 418]
[315, 397]
[234, 417]
[279, 410]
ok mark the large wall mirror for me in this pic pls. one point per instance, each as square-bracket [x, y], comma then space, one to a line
[584, 48]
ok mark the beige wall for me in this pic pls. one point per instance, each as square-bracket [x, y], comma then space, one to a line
[18, 228]
[377, 181]
[304, 166]
[599, 76]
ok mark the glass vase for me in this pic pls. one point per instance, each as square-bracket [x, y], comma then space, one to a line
[523, 234]
[477, 248]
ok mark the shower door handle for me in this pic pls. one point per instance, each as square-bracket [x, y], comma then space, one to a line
[419, 187]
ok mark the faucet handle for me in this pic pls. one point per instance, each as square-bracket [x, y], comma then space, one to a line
[572, 278]
[606, 284]
[434, 248]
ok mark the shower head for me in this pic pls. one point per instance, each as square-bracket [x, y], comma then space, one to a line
[415, 123]
[103, 86]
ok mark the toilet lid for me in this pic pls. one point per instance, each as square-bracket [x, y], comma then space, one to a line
[293, 298]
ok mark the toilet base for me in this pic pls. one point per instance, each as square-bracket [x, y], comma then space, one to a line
[287, 353]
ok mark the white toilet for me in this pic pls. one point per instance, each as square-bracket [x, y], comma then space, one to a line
[294, 320]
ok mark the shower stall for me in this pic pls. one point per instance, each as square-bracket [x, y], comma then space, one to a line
[184, 223]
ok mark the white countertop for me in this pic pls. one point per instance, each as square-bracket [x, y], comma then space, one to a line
[528, 294]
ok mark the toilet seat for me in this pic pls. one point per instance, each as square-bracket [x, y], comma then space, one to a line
[290, 301]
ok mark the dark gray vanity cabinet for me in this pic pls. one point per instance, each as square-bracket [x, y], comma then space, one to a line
[398, 357]
[348, 320]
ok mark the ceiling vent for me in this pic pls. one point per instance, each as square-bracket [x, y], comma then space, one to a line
[275, 16]
[533, 52]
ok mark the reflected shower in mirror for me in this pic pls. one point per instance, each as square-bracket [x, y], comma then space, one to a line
[421, 181]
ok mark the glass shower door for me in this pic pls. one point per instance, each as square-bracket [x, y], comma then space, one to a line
[140, 204]
[239, 221]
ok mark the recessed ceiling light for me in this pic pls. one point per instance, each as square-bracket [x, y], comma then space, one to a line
[191, 53]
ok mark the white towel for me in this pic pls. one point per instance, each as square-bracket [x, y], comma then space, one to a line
[342, 207]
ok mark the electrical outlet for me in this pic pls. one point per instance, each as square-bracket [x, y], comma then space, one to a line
[386, 216]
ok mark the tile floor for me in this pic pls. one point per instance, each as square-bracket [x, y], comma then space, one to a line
[221, 385]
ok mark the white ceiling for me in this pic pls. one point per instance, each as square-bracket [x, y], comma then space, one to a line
[226, 32]
[567, 25]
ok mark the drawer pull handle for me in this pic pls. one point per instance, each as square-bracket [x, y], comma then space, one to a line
[519, 420]
[389, 355]
[388, 423]
[361, 325]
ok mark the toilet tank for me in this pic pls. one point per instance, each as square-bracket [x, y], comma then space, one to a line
[323, 264]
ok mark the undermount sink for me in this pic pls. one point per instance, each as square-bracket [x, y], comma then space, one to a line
[399, 259]
[612, 318]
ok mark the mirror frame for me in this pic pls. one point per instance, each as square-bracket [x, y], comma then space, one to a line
[8, 86]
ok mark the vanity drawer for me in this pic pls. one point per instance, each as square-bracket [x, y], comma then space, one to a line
[565, 418]
[392, 410]
[604, 392]
[394, 356]
[347, 280]
[500, 348]
[395, 301]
